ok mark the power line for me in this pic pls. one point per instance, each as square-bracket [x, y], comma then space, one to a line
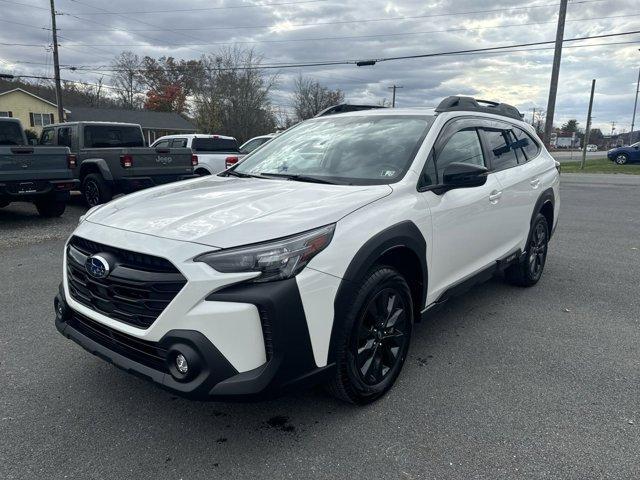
[348, 37]
[344, 22]
[230, 7]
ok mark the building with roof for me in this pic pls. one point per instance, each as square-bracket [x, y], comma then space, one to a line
[34, 112]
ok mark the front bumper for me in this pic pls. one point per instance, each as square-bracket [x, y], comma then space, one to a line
[290, 363]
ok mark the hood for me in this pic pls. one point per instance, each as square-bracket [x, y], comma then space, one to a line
[228, 211]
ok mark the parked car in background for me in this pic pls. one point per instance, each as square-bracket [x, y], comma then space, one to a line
[622, 155]
[112, 158]
[250, 145]
[215, 152]
[592, 148]
[40, 175]
[311, 260]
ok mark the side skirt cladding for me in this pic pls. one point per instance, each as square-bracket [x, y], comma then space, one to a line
[404, 236]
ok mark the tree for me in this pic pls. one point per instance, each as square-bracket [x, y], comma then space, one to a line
[169, 82]
[570, 127]
[166, 98]
[231, 94]
[128, 80]
[310, 97]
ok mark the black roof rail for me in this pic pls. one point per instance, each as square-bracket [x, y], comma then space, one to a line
[470, 104]
[345, 107]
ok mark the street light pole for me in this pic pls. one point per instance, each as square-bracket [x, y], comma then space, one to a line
[555, 72]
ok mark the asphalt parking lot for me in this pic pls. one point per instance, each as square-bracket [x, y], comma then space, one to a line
[501, 383]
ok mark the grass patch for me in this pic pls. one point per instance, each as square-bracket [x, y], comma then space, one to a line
[601, 165]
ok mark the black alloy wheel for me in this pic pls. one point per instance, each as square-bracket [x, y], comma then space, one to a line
[537, 254]
[381, 341]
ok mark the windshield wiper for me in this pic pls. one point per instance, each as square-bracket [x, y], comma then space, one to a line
[298, 177]
[233, 173]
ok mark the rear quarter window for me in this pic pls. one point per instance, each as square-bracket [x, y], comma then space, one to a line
[527, 143]
[112, 136]
[214, 145]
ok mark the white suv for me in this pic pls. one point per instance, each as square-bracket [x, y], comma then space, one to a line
[311, 260]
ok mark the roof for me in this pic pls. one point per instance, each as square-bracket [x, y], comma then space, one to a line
[146, 118]
[195, 135]
[31, 95]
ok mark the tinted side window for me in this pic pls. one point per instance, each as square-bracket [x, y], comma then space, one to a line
[112, 136]
[463, 147]
[528, 144]
[252, 145]
[501, 146]
[179, 143]
[64, 137]
[47, 137]
[214, 144]
[162, 144]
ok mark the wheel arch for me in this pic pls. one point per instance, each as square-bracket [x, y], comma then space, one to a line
[546, 206]
[401, 246]
[95, 165]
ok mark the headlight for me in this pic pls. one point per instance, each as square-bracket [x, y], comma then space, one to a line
[276, 259]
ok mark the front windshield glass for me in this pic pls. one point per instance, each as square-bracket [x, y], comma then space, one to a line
[362, 150]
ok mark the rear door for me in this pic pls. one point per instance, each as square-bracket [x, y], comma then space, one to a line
[518, 177]
[466, 222]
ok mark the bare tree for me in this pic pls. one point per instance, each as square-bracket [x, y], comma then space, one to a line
[128, 80]
[310, 97]
[231, 94]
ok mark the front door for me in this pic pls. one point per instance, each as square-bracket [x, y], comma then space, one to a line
[466, 224]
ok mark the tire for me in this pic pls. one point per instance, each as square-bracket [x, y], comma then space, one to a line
[369, 358]
[50, 208]
[95, 190]
[621, 158]
[527, 272]
[202, 172]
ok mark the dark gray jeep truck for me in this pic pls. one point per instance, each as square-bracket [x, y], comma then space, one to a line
[112, 158]
[41, 175]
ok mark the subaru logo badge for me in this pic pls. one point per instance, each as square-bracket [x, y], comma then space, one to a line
[97, 266]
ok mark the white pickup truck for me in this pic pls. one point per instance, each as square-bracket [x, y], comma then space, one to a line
[215, 152]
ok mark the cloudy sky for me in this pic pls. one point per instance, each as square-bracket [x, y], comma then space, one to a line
[92, 32]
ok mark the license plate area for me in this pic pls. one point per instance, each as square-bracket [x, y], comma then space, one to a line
[27, 187]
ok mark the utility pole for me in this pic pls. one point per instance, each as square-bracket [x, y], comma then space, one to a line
[393, 98]
[635, 104]
[613, 127]
[56, 63]
[587, 131]
[533, 117]
[555, 72]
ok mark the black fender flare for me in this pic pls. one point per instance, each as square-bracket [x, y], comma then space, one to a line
[545, 197]
[102, 166]
[405, 234]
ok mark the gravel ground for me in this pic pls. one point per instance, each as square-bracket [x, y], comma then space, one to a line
[502, 383]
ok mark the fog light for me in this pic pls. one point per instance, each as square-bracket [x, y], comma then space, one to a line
[181, 364]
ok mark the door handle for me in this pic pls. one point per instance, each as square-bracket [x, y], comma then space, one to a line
[535, 183]
[495, 196]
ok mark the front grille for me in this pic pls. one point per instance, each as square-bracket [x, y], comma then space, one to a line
[141, 351]
[137, 290]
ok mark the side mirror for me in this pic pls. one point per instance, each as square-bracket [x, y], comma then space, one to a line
[464, 175]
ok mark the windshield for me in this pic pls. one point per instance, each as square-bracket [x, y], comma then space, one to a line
[361, 150]
[112, 136]
[214, 144]
[10, 133]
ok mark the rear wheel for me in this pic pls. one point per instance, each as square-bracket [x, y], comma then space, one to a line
[202, 172]
[95, 190]
[50, 207]
[527, 271]
[375, 340]
[621, 158]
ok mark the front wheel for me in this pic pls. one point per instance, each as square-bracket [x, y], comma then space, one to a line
[375, 338]
[621, 158]
[527, 271]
